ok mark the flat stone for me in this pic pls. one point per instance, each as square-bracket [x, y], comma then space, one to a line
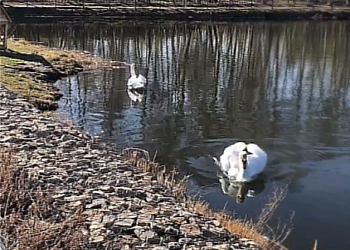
[108, 220]
[97, 239]
[174, 246]
[171, 230]
[77, 198]
[147, 235]
[190, 229]
[222, 247]
[144, 220]
[124, 222]
[98, 203]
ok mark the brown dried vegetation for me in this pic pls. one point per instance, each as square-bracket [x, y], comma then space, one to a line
[29, 218]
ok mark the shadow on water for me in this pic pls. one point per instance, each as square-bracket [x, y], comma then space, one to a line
[285, 86]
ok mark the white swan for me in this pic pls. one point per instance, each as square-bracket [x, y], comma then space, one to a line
[242, 162]
[134, 95]
[136, 82]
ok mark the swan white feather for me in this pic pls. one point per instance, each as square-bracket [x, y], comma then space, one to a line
[134, 95]
[136, 82]
[232, 161]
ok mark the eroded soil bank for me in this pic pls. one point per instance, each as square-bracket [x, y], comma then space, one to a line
[44, 13]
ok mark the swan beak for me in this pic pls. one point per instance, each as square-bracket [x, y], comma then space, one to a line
[216, 161]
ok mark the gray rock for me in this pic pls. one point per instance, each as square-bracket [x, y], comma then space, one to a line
[174, 246]
[144, 220]
[147, 235]
[190, 229]
[124, 222]
[184, 241]
[98, 203]
[171, 230]
[77, 198]
[108, 220]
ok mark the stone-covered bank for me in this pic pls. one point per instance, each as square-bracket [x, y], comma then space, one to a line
[83, 194]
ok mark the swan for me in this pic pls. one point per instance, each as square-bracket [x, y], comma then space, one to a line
[242, 162]
[134, 82]
[135, 95]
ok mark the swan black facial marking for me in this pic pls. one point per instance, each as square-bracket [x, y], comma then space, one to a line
[246, 150]
[244, 162]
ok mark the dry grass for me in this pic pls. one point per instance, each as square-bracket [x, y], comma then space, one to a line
[244, 228]
[59, 57]
[29, 219]
[52, 55]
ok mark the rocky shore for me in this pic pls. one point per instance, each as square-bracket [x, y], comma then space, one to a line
[84, 194]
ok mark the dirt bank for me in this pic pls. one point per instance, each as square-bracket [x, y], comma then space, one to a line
[21, 12]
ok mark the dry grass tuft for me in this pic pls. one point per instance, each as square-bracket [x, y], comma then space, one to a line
[241, 227]
[140, 158]
[29, 218]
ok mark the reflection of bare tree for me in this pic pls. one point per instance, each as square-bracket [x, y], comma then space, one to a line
[245, 80]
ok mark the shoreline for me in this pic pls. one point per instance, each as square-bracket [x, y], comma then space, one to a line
[42, 13]
[65, 189]
[31, 69]
[59, 180]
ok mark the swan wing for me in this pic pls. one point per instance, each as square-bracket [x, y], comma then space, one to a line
[229, 165]
[132, 81]
[135, 83]
[235, 148]
[229, 159]
[142, 79]
[257, 160]
[134, 96]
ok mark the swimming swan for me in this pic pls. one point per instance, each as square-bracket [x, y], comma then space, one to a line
[136, 82]
[242, 162]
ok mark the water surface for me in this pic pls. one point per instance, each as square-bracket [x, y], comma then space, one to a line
[285, 86]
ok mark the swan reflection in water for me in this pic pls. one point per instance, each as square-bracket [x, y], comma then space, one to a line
[241, 189]
[135, 95]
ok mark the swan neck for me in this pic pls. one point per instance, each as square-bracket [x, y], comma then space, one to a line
[132, 69]
[243, 174]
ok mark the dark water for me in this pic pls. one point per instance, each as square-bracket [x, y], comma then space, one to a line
[285, 86]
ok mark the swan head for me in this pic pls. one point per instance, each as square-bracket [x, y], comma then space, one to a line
[243, 159]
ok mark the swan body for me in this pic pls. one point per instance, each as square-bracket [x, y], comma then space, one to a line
[134, 95]
[136, 82]
[242, 162]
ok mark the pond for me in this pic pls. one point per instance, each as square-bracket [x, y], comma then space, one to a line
[284, 86]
